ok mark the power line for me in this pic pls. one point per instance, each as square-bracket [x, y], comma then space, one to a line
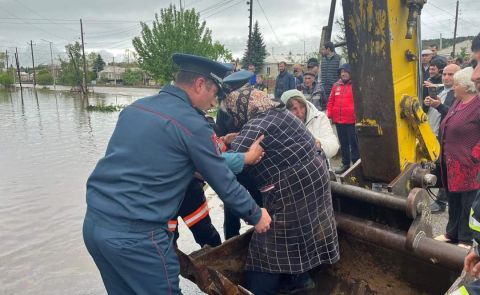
[215, 6]
[268, 21]
[34, 12]
[38, 28]
[450, 13]
[215, 13]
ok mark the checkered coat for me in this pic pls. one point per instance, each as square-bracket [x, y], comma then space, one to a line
[302, 234]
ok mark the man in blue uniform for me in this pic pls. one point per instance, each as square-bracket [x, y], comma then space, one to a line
[138, 186]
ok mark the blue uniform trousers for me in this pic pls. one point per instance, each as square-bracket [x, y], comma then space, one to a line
[133, 262]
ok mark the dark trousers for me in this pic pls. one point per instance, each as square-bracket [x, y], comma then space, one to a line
[348, 143]
[231, 224]
[133, 262]
[459, 205]
[194, 212]
[472, 288]
[263, 283]
[442, 196]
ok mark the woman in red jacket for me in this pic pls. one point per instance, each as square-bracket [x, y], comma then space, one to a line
[340, 109]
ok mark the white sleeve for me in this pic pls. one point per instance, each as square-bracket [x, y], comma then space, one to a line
[323, 131]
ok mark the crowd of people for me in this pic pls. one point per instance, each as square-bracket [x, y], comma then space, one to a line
[267, 158]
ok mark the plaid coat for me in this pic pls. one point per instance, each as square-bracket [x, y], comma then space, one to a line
[296, 194]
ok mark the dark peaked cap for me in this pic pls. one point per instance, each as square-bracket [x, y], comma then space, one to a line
[203, 66]
[236, 80]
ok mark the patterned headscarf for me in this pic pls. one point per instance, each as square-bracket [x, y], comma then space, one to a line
[246, 103]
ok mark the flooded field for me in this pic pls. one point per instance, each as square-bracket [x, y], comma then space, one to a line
[49, 144]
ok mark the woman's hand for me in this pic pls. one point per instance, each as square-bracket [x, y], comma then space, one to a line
[318, 144]
[229, 138]
[255, 152]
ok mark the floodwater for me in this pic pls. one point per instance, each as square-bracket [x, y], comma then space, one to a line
[49, 144]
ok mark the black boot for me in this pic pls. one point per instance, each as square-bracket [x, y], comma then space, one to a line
[342, 169]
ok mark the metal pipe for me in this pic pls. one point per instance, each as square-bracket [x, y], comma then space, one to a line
[368, 196]
[428, 249]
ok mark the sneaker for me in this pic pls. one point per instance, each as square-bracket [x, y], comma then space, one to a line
[342, 169]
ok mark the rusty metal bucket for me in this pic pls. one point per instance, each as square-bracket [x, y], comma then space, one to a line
[385, 248]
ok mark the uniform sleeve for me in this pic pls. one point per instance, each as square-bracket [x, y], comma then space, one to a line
[474, 220]
[202, 147]
[235, 161]
[324, 132]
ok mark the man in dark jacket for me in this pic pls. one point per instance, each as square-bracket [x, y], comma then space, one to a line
[437, 110]
[331, 61]
[285, 81]
[435, 80]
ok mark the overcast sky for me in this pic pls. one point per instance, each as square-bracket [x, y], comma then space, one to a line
[109, 26]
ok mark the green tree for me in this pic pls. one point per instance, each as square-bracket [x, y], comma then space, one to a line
[98, 65]
[44, 77]
[174, 31]
[6, 78]
[463, 53]
[71, 71]
[257, 51]
[2, 60]
[132, 77]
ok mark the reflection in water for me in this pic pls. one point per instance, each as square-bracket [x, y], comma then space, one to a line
[49, 144]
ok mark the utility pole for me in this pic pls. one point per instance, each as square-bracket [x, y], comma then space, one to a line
[53, 68]
[250, 2]
[33, 65]
[455, 31]
[181, 7]
[6, 60]
[18, 68]
[440, 46]
[304, 52]
[114, 71]
[84, 62]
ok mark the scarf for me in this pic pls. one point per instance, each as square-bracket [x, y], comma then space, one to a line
[245, 103]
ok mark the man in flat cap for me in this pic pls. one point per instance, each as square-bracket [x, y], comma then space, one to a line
[138, 186]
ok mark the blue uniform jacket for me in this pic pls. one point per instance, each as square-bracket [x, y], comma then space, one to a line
[158, 143]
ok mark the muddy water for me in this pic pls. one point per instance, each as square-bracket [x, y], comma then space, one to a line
[49, 144]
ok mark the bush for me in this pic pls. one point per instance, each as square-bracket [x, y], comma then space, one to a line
[132, 77]
[6, 79]
[44, 77]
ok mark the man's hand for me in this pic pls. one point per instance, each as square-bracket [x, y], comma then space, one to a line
[229, 138]
[255, 152]
[432, 102]
[428, 84]
[264, 224]
[471, 264]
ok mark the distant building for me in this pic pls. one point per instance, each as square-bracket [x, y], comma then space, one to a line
[270, 66]
[467, 44]
[112, 74]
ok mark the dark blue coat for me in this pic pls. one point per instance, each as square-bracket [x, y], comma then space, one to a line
[285, 81]
[157, 145]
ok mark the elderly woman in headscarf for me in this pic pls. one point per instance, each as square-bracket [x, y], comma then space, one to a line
[295, 186]
[315, 121]
[460, 158]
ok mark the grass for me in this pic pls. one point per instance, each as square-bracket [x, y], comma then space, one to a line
[105, 108]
